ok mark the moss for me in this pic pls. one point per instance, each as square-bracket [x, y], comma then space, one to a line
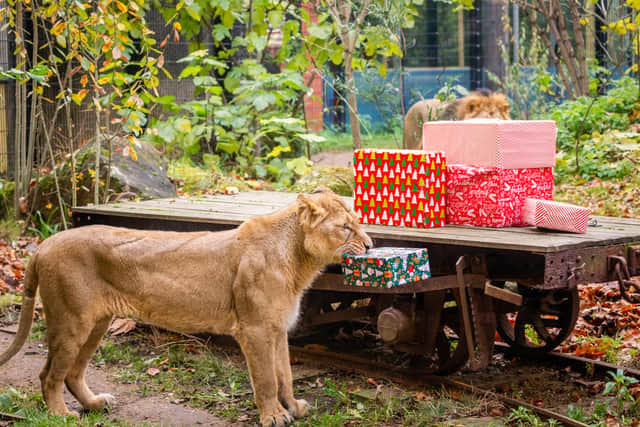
[337, 178]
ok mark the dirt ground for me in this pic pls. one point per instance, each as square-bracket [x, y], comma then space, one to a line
[24, 368]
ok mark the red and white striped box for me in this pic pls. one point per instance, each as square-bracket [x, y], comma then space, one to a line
[493, 197]
[556, 215]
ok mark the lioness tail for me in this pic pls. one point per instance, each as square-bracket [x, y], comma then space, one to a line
[26, 313]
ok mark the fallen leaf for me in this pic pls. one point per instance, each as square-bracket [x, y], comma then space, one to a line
[121, 326]
[152, 372]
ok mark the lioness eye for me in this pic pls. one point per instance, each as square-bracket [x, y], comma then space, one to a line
[346, 227]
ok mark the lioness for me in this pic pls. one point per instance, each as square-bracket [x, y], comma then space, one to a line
[246, 282]
[477, 105]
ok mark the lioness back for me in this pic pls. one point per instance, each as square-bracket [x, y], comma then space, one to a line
[161, 277]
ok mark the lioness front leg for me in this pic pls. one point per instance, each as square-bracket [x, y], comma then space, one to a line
[297, 408]
[258, 344]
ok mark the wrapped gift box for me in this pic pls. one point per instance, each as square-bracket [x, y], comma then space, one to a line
[493, 197]
[400, 187]
[505, 144]
[386, 267]
[556, 215]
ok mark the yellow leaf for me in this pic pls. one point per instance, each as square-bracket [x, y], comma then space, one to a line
[83, 80]
[133, 154]
[58, 28]
[121, 6]
[79, 97]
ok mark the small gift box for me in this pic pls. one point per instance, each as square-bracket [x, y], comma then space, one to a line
[386, 267]
[493, 197]
[504, 144]
[400, 187]
[556, 215]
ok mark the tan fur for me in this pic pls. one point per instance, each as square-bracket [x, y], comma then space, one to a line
[476, 105]
[245, 282]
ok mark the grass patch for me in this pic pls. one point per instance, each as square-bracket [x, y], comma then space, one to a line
[30, 406]
[343, 141]
[194, 374]
[38, 330]
[203, 376]
[7, 301]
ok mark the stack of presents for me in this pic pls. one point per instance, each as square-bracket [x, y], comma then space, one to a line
[480, 172]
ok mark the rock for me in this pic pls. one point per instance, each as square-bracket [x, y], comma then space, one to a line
[137, 168]
[145, 176]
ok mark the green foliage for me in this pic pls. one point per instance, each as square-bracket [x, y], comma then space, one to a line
[586, 143]
[245, 114]
[625, 404]
[7, 189]
[45, 228]
[525, 417]
[586, 115]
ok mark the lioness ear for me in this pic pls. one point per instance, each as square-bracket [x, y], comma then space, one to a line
[309, 212]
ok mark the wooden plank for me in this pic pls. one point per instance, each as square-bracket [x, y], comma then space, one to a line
[234, 209]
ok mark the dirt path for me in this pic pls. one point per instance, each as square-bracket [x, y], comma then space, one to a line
[24, 368]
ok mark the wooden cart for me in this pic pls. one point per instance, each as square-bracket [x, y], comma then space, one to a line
[521, 281]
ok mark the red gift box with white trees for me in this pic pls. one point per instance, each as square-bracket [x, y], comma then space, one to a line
[400, 187]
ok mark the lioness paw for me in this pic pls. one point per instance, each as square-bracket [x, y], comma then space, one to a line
[300, 408]
[100, 401]
[108, 400]
[279, 420]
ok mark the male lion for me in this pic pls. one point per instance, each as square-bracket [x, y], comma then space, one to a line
[477, 105]
[246, 282]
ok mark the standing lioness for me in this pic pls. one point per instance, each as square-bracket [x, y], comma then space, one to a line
[245, 282]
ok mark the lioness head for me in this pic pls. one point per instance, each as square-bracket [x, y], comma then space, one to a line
[331, 228]
[478, 105]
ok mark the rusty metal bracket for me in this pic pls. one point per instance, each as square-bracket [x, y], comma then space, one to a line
[618, 265]
[575, 273]
[463, 296]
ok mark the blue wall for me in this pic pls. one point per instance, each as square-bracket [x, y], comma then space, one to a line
[419, 83]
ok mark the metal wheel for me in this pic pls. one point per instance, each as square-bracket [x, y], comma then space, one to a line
[451, 345]
[546, 319]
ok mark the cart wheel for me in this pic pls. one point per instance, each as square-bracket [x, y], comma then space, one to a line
[451, 345]
[546, 319]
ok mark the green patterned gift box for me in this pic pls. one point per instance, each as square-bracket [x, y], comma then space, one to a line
[386, 267]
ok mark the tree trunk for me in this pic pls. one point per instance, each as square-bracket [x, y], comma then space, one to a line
[352, 102]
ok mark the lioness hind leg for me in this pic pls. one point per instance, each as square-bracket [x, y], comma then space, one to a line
[297, 408]
[64, 347]
[258, 347]
[75, 379]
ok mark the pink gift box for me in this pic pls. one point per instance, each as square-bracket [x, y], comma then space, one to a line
[493, 197]
[505, 144]
[556, 215]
